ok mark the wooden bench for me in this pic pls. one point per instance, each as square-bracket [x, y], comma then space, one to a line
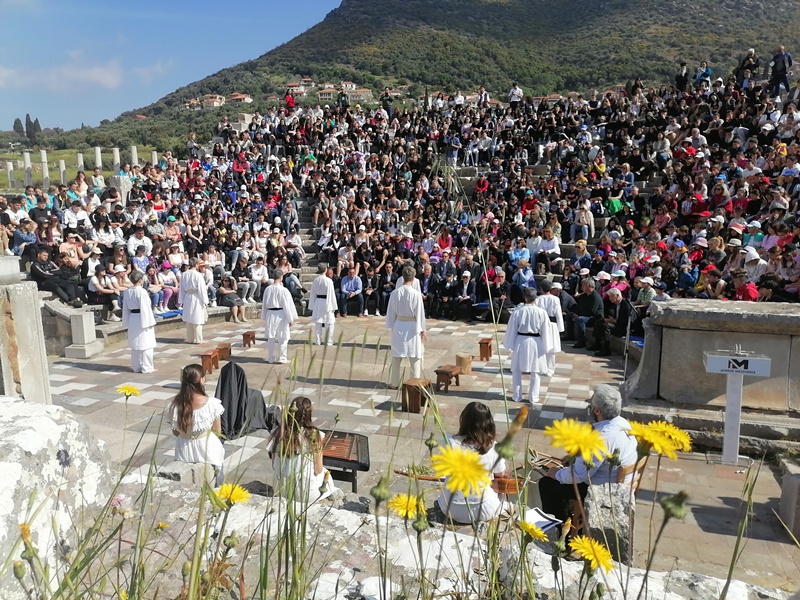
[210, 360]
[224, 350]
[415, 393]
[445, 374]
[248, 339]
[486, 348]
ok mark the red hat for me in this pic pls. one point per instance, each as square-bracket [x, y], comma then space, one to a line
[709, 268]
[764, 180]
[630, 222]
[662, 245]
[705, 214]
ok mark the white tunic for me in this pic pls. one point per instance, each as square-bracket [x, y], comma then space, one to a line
[276, 322]
[530, 352]
[201, 444]
[405, 316]
[142, 325]
[193, 294]
[322, 309]
[415, 284]
[552, 306]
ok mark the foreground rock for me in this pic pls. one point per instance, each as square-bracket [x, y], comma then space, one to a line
[53, 469]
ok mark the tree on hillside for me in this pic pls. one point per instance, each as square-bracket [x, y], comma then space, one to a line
[29, 130]
[37, 127]
[19, 128]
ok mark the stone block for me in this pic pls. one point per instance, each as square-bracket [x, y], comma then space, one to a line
[46, 451]
[123, 185]
[789, 510]
[9, 270]
[683, 378]
[765, 318]
[794, 374]
[608, 513]
[84, 350]
[183, 472]
[82, 327]
[23, 358]
[643, 383]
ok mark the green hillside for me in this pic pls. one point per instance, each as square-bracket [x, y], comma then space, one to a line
[545, 45]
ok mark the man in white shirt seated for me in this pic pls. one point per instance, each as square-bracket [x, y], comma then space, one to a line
[557, 489]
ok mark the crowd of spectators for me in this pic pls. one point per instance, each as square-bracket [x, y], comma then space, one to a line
[558, 191]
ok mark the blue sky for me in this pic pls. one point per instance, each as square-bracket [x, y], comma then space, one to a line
[69, 62]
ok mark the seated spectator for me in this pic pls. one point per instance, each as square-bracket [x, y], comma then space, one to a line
[558, 487]
[464, 297]
[588, 310]
[350, 289]
[371, 284]
[101, 290]
[228, 295]
[247, 288]
[48, 277]
[616, 322]
[745, 290]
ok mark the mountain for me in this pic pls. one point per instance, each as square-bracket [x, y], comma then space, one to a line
[544, 45]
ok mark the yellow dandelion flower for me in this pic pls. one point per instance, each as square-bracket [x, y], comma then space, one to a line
[233, 493]
[532, 530]
[577, 439]
[129, 390]
[679, 438]
[162, 526]
[406, 505]
[123, 595]
[25, 532]
[650, 439]
[463, 469]
[593, 552]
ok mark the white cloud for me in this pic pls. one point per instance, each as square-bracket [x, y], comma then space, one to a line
[148, 73]
[77, 75]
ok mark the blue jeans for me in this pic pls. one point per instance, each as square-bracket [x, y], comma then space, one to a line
[580, 329]
[156, 298]
[343, 299]
[575, 230]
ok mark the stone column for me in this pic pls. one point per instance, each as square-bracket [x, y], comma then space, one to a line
[62, 171]
[45, 169]
[123, 185]
[643, 383]
[154, 157]
[98, 157]
[23, 359]
[115, 159]
[84, 338]
[10, 174]
[81, 166]
[134, 155]
[26, 160]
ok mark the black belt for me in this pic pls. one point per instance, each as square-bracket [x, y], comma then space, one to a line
[528, 334]
[553, 320]
[136, 311]
[325, 297]
[277, 308]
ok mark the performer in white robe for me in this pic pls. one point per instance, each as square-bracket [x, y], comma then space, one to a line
[405, 316]
[193, 295]
[528, 337]
[279, 314]
[322, 300]
[137, 316]
[552, 306]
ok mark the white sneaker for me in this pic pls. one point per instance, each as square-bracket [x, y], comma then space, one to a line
[213, 304]
[114, 319]
[9, 252]
[157, 310]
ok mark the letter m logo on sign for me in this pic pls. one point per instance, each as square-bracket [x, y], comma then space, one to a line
[742, 364]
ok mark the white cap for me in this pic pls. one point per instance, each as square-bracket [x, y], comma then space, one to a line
[120, 269]
[277, 219]
[557, 286]
[602, 275]
[754, 224]
[718, 219]
[612, 253]
[466, 274]
[276, 230]
[243, 187]
[647, 280]
[653, 259]
[583, 272]
[362, 228]
[618, 274]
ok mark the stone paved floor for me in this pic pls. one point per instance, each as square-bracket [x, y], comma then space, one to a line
[347, 380]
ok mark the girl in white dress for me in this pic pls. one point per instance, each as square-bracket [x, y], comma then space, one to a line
[477, 432]
[296, 453]
[196, 422]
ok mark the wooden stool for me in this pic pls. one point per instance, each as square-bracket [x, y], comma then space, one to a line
[486, 349]
[248, 339]
[210, 360]
[224, 349]
[445, 374]
[414, 394]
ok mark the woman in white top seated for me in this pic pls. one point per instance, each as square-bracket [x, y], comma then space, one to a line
[195, 418]
[477, 432]
[296, 453]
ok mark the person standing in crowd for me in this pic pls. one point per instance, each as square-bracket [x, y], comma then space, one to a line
[137, 316]
[197, 425]
[193, 296]
[552, 306]
[557, 488]
[279, 314]
[323, 306]
[528, 338]
[781, 63]
[405, 317]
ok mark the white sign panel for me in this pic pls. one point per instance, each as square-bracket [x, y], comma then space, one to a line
[729, 364]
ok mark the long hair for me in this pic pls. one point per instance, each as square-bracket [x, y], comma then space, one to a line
[295, 429]
[476, 426]
[191, 385]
